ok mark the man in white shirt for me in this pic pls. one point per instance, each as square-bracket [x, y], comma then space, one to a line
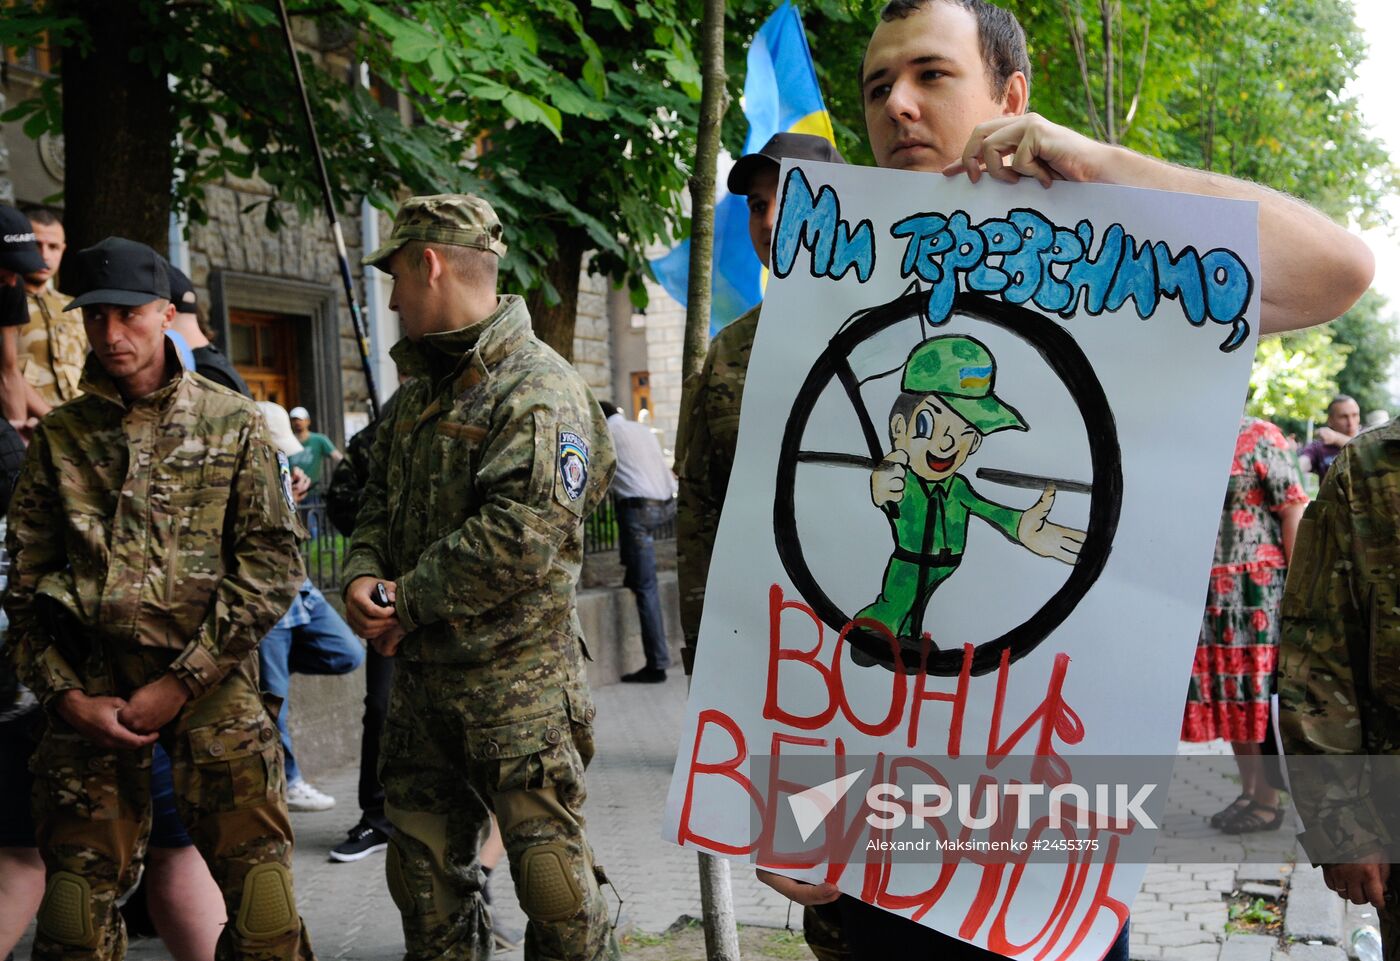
[644, 489]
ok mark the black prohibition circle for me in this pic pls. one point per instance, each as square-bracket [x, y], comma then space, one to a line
[1063, 356]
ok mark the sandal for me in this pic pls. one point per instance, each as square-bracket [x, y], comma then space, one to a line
[1255, 817]
[1237, 806]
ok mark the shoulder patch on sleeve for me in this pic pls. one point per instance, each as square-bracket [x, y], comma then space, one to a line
[572, 479]
[284, 475]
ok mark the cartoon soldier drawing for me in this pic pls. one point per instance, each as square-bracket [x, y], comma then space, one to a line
[945, 408]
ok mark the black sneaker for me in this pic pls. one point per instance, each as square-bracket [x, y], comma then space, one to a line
[364, 839]
[647, 675]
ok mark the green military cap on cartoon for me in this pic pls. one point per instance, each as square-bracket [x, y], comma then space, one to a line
[963, 373]
[462, 220]
[947, 405]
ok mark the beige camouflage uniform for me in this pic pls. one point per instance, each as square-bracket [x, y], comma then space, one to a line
[151, 539]
[52, 347]
[1339, 659]
[705, 449]
[494, 453]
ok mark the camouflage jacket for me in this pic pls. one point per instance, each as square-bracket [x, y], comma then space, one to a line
[478, 485]
[705, 450]
[165, 524]
[52, 347]
[1339, 658]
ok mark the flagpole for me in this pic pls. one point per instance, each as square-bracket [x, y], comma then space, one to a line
[356, 318]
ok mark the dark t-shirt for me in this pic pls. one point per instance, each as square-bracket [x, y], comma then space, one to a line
[14, 306]
[213, 363]
[1320, 456]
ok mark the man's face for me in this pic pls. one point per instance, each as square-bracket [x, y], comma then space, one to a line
[52, 243]
[763, 210]
[937, 440]
[925, 88]
[128, 340]
[1345, 417]
[300, 424]
[410, 295]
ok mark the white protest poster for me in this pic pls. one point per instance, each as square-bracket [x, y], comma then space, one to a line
[985, 437]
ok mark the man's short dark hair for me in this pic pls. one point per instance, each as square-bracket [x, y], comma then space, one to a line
[609, 408]
[1340, 399]
[42, 214]
[1002, 38]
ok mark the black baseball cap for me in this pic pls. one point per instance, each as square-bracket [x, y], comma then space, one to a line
[181, 289]
[18, 250]
[116, 271]
[780, 147]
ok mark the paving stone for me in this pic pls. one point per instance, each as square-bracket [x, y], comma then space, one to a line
[1258, 889]
[1248, 947]
[1315, 952]
[1314, 912]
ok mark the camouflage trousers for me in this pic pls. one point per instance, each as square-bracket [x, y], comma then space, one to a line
[444, 774]
[821, 928]
[92, 809]
[1389, 917]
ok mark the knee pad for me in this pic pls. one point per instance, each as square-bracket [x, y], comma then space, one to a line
[65, 916]
[548, 889]
[267, 909]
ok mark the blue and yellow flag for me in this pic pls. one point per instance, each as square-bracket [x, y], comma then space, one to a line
[781, 95]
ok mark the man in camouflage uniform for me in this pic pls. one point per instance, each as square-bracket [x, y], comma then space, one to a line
[1339, 674]
[153, 541]
[52, 346]
[708, 438]
[473, 521]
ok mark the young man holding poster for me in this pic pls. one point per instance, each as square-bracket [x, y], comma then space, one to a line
[946, 86]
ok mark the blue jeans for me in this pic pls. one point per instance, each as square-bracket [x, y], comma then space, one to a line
[311, 638]
[637, 523]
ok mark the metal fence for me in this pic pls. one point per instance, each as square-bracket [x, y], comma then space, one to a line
[324, 552]
[600, 529]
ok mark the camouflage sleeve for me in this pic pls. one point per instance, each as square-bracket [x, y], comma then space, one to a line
[533, 499]
[36, 547]
[369, 549]
[345, 494]
[264, 567]
[698, 507]
[1323, 628]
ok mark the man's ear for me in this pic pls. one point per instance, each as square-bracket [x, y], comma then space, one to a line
[1017, 97]
[169, 318]
[899, 430]
[976, 443]
[432, 265]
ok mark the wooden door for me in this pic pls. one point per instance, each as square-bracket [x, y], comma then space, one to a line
[263, 347]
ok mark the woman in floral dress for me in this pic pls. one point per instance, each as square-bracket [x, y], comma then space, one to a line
[1232, 680]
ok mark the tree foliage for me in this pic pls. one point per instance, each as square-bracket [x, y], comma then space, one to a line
[1294, 377]
[582, 112]
[1374, 346]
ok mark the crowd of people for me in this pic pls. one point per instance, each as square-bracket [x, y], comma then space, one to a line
[158, 602]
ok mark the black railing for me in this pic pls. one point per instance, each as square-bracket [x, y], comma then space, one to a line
[600, 529]
[324, 551]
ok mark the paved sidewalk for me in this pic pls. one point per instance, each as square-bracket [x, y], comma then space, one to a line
[1180, 915]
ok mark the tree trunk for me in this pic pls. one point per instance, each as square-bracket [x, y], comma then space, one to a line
[555, 325]
[702, 188]
[717, 897]
[118, 126]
